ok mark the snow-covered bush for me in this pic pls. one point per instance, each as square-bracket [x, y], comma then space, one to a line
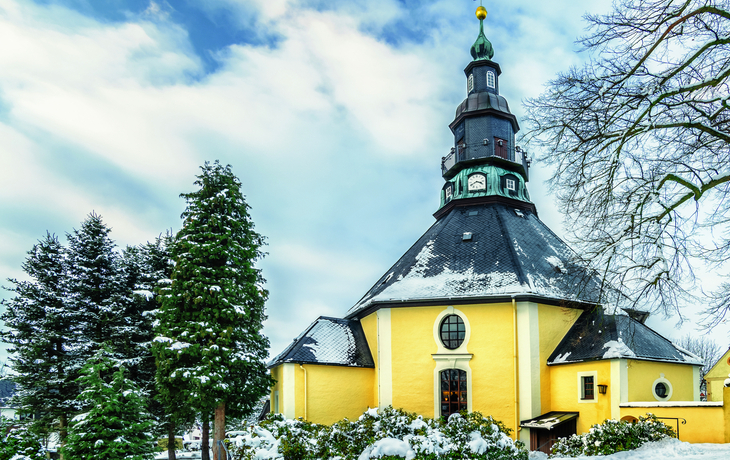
[17, 442]
[613, 436]
[391, 434]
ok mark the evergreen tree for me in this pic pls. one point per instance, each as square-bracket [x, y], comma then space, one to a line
[38, 324]
[116, 424]
[209, 347]
[98, 297]
[143, 266]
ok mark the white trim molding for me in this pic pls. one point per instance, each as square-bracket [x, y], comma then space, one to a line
[385, 359]
[290, 390]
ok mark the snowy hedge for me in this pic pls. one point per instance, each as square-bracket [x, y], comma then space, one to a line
[613, 436]
[390, 434]
[18, 443]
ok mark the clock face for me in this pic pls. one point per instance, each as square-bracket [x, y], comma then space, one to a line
[477, 182]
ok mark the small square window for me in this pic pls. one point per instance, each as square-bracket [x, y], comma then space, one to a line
[510, 184]
[490, 79]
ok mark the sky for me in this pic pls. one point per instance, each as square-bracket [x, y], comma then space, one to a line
[333, 114]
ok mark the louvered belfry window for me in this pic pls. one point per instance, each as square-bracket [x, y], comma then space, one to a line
[453, 391]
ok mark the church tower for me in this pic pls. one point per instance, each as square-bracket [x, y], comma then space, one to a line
[484, 162]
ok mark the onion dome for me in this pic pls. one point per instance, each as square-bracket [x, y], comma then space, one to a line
[482, 48]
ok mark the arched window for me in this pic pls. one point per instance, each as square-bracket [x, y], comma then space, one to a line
[453, 391]
[490, 79]
[452, 332]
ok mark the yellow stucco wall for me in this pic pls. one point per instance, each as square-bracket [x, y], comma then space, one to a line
[277, 388]
[704, 424]
[642, 375]
[492, 366]
[331, 393]
[370, 328]
[716, 376]
[335, 392]
[565, 394]
[554, 324]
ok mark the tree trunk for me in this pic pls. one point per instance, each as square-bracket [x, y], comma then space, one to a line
[220, 432]
[62, 432]
[205, 445]
[171, 441]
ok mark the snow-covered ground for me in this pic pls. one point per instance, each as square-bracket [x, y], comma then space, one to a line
[660, 450]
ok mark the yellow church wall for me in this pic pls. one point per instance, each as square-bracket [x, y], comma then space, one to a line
[412, 365]
[554, 324]
[492, 341]
[370, 328]
[276, 390]
[416, 354]
[565, 392]
[716, 376]
[704, 424]
[334, 392]
[643, 374]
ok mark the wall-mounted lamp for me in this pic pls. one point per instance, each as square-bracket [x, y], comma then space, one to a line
[486, 141]
[602, 389]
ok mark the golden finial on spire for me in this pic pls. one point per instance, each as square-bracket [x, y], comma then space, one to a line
[481, 13]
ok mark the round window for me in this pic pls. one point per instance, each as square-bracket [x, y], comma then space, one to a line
[661, 390]
[452, 332]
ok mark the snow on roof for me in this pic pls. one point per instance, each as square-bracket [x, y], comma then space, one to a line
[508, 254]
[596, 335]
[332, 341]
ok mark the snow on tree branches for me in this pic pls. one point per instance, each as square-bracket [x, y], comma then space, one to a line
[639, 138]
[209, 347]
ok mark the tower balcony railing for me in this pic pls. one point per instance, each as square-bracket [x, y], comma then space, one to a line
[464, 152]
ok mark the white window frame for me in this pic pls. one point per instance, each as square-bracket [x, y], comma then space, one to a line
[581, 375]
[512, 182]
[491, 79]
[666, 383]
[470, 83]
[451, 359]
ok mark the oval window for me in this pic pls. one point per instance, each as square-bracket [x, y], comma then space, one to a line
[452, 332]
[661, 390]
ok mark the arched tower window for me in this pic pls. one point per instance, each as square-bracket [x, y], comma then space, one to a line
[453, 391]
[491, 81]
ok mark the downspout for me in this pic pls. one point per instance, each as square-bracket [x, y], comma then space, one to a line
[516, 377]
[305, 391]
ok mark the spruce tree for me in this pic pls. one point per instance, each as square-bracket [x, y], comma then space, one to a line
[98, 297]
[116, 424]
[209, 347]
[143, 266]
[39, 332]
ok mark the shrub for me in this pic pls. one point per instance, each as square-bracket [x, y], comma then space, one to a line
[17, 442]
[613, 436]
[391, 434]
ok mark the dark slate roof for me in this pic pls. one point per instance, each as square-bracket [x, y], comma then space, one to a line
[7, 390]
[333, 341]
[596, 335]
[510, 253]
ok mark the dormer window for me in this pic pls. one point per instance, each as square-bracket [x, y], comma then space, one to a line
[448, 192]
[510, 184]
[470, 83]
[491, 81]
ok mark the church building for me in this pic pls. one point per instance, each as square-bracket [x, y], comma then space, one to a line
[488, 311]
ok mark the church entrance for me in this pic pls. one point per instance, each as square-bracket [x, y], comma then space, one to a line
[453, 391]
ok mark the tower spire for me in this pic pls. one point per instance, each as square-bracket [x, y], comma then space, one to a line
[482, 48]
